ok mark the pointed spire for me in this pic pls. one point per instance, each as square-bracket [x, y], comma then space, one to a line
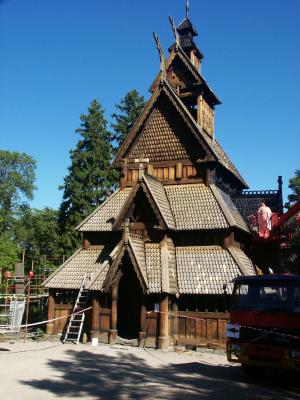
[187, 9]
[186, 32]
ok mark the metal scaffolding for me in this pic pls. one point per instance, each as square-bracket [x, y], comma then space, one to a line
[12, 309]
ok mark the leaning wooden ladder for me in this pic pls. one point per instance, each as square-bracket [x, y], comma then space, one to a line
[76, 321]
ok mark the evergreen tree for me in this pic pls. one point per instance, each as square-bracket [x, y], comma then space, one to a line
[294, 185]
[90, 176]
[17, 177]
[128, 111]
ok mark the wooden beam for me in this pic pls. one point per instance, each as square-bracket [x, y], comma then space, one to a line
[51, 311]
[124, 174]
[175, 322]
[199, 110]
[163, 338]
[178, 171]
[228, 240]
[143, 328]
[150, 169]
[95, 316]
[86, 244]
[114, 315]
[164, 256]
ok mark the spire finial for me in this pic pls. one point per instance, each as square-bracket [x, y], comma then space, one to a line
[174, 30]
[161, 56]
[187, 8]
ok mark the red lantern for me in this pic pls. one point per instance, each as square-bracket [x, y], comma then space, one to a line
[31, 274]
[7, 274]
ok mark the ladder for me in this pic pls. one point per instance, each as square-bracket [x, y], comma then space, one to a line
[76, 321]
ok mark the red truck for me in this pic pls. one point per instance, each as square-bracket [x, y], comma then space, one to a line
[264, 326]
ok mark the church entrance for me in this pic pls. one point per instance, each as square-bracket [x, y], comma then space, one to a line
[129, 303]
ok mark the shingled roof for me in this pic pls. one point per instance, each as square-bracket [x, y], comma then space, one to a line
[186, 24]
[137, 253]
[178, 52]
[192, 206]
[104, 216]
[204, 269]
[160, 197]
[195, 207]
[95, 260]
[211, 146]
[190, 269]
[229, 209]
[157, 197]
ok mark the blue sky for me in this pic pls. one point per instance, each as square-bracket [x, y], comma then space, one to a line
[58, 55]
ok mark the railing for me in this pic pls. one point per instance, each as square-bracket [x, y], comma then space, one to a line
[33, 285]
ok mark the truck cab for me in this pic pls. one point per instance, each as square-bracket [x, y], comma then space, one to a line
[264, 326]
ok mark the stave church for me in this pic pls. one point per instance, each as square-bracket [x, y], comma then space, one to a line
[157, 253]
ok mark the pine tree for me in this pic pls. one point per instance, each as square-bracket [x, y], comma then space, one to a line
[128, 111]
[294, 185]
[17, 177]
[90, 176]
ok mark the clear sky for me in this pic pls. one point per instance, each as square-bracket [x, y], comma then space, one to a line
[56, 56]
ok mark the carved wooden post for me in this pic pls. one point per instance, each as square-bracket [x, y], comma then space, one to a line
[178, 171]
[95, 316]
[114, 315]
[86, 244]
[150, 169]
[123, 175]
[199, 111]
[51, 311]
[142, 333]
[228, 240]
[208, 176]
[163, 338]
[175, 322]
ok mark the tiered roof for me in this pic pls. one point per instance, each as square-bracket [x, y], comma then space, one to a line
[188, 269]
[181, 207]
[148, 141]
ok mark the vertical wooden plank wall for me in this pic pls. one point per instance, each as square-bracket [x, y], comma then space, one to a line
[197, 327]
[61, 310]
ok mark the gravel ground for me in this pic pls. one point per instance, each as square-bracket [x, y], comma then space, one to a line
[50, 370]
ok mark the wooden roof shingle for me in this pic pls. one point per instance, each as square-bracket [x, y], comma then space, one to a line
[204, 269]
[70, 274]
[104, 216]
[191, 269]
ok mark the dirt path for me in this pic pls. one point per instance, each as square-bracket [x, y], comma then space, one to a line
[50, 370]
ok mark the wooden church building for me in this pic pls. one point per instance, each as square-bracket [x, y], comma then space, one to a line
[160, 248]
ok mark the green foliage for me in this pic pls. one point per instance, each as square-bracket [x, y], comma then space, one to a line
[17, 176]
[9, 253]
[294, 185]
[37, 232]
[90, 176]
[128, 111]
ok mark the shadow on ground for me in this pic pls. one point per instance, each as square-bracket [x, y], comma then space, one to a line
[128, 376]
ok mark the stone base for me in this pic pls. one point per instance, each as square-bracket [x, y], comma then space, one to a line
[112, 336]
